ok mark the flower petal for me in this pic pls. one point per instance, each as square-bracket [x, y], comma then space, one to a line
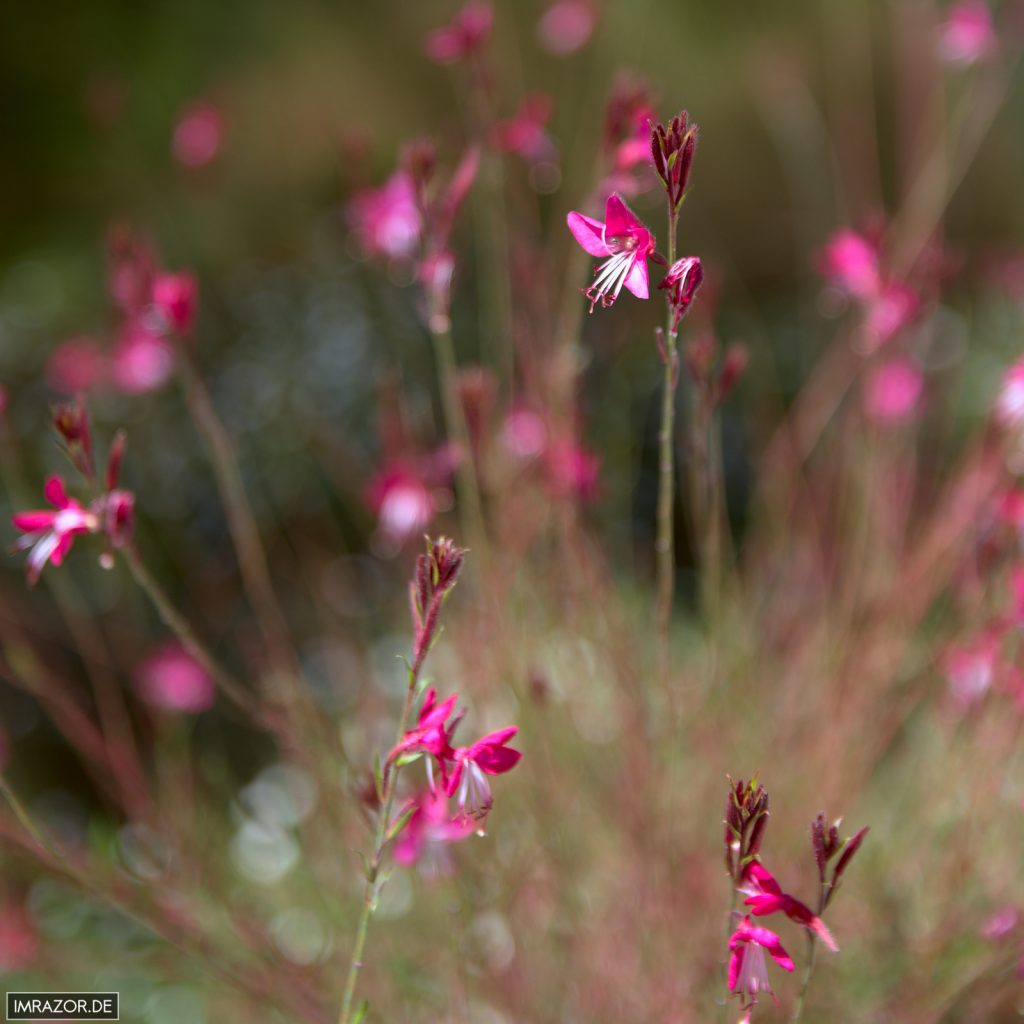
[588, 232]
[636, 280]
[30, 522]
[54, 492]
[620, 220]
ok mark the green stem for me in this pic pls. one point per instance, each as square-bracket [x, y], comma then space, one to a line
[372, 891]
[812, 949]
[723, 1005]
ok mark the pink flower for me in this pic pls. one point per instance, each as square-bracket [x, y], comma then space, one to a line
[890, 311]
[627, 244]
[198, 135]
[851, 262]
[765, 896]
[428, 832]
[1010, 403]
[524, 433]
[173, 680]
[387, 220]
[572, 472]
[402, 501]
[76, 366]
[463, 36]
[488, 756]
[19, 944]
[1000, 924]
[174, 296]
[748, 971]
[971, 669]
[49, 535]
[523, 133]
[430, 735]
[683, 279]
[143, 359]
[967, 35]
[566, 26]
[893, 391]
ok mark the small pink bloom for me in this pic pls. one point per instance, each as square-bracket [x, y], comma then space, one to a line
[892, 391]
[765, 896]
[404, 504]
[572, 472]
[173, 680]
[463, 36]
[198, 135]
[143, 359]
[428, 833]
[1010, 403]
[387, 220]
[748, 970]
[971, 669]
[174, 296]
[50, 534]
[76, 366]
[523, 133]
[19, 943]
[524, 433]
[967, 34]
[682, 280]
[566, 26]
[430, 735]
[890, 311]
[850, 261]
[488, 756]
[1011, 508]
[626, 243]
[1000, 924]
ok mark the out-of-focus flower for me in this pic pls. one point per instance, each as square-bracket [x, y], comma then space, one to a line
[387, 220]
[490, 755]
[173, 680]
[19, 943]
[131, 265]
[850, 261]
[970, 669]
[463, 36]
[175, 296]
[748, 970]
[967, 35]
[117, 510]
[429, 831]
[198, 135]
[71, 422]
[50, 534]
[524, 133]
[892, 391]
[524, 433]
[402, 500]
[765, 896]
[890, 311]
[143, 359]
[76, 366]
[572, 471]
[1011, 508]
[566, 26]
[626, 243]
[1000, 924]
[683, 279]
[1010, 402]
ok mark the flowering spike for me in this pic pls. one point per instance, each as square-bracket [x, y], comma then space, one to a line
[115, 457]
[71, 421]
[851, 848]
[673, 149]
[682, 280]
[818, 844]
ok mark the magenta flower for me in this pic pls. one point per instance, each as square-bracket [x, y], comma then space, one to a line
[524, 133]
[765, 896]
[174, 297]
[50, 534]
[850, 261]
[143, 359]
[748, 970]
[198, 135]
[683, 279]
[967, 34]
[463, 36]
[572, 471]
[173, 680]
[971, 669]
[1010, 403]
[387, 220]
[428, 832]
[566, 26]
[626, 243]
[19, 941]
[430, 735]
[890, 311]
[488, 756]
[892, 391]
[524, 433]
[76, 366]
[402, 501]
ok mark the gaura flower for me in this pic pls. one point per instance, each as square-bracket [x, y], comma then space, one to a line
[172, 679]
[892, 391]
[198, 135]
[387, 220]
[765, 896]
[683, 279]
[1010, 403]
[174, 298]
[524, 133]
[404, 503]
[428, 832]
[463, 36]
[430, 735]
[50, 534]
[748, 971]
[572, 471]
[626, 243]
[488, 756]
[967, 35]
[566, 26]
[851, 262]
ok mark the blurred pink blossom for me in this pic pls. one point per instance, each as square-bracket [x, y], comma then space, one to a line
[143, 359]
[172, 679]
[524, 433]
[748, 970]
[77, 365]
[970, 669]
[175, 297]
[19, 943]
[850, 261]
[1000, 924]
[566, 26]
[524, 133]
[765, 896]
[463, 36]
[402, 501]
[428, 832]
[1010, 402]
[626, 243]
[572, 472]
[892, 391]
[387, 220]
[890, 312]
[967, 35]
[198, 135]
[50, 534]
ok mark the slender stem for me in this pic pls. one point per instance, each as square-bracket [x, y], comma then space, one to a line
[177, 624]
[665, 542]
[23, 816]
[458, 432]
[812, 949]
[723, 1011]
[371, 893]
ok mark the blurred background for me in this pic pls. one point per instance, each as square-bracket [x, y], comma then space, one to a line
[233, 138]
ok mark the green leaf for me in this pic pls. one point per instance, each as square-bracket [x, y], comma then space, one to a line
[399, 823]
[361, 1011]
